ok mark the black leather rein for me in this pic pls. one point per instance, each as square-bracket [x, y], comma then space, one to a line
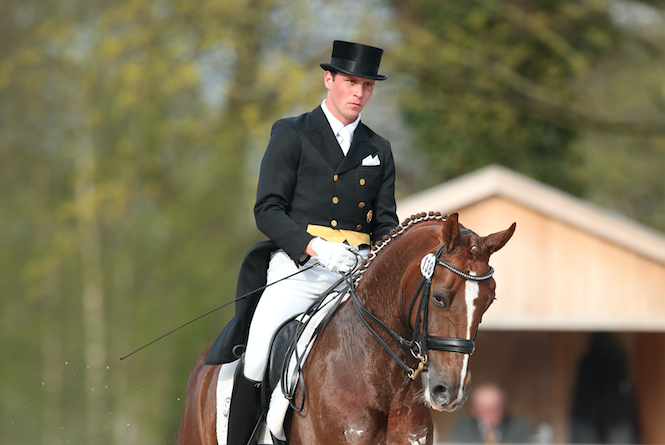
[415, 345]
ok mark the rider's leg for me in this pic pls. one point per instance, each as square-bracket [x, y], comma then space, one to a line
[245, 408]
[280, 302]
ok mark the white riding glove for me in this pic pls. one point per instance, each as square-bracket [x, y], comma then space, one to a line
[335, 257]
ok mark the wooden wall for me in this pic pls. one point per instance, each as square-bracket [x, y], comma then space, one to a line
[650, 385]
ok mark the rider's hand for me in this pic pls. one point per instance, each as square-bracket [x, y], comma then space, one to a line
[334, 256]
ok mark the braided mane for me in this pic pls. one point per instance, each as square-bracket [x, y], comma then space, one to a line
[407, 224]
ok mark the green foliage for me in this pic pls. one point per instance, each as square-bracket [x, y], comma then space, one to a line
[493, 82]
[567, 92]
[124, 134]
[130, 137]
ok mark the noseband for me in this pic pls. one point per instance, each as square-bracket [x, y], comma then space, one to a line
[420, 346]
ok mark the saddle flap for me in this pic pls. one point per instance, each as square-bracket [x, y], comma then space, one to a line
[281, 342]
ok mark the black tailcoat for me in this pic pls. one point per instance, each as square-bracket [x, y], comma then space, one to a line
[306, 179]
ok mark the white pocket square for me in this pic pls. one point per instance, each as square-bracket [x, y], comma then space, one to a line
[371, 160]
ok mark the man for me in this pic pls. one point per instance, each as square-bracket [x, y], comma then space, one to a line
[327, 183]
[489, 421]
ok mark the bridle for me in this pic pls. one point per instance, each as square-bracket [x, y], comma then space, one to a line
[420, 345]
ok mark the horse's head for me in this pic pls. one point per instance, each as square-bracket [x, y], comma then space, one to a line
[457, 289]
[439, 273]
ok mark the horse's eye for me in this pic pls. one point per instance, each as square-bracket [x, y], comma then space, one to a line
[441, 298]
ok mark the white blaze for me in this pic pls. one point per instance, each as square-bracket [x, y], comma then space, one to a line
[471, 291]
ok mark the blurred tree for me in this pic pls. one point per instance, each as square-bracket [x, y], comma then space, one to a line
[130, 136]
[492, 82]
[488, 81]
[623, 166]
[127, 187]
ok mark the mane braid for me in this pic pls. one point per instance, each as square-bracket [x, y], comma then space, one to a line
[407, 224]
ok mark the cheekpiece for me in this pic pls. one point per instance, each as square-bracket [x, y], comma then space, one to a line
[355, 59]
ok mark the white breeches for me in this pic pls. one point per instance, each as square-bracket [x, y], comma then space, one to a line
[280, 302]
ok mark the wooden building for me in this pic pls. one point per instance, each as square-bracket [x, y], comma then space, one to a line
[570, 270]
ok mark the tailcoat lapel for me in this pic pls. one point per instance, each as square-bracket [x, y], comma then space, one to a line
[323, 139]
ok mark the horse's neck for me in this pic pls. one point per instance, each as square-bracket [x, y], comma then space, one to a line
[382, 286]
[352, 340]
[381, 293]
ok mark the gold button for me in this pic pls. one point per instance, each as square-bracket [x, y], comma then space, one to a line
[359, 226]
[335, 178]
[361, 205]
[333, 223]
[362, 181]
[335, 200]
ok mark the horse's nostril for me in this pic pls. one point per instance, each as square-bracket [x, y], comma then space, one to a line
[442, 395]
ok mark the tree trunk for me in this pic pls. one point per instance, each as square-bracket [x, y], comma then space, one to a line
[92, 287]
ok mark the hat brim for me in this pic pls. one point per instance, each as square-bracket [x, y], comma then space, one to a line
[331, 67]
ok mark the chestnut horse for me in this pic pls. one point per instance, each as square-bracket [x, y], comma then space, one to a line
[397, 348]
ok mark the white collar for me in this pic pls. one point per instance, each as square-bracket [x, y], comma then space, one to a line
[335, 123]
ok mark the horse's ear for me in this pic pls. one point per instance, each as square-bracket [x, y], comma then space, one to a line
[497, 240]
[451, 237]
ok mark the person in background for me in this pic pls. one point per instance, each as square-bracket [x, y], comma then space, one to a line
[489, 421]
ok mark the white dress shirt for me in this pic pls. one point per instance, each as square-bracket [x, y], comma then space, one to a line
[344, 134]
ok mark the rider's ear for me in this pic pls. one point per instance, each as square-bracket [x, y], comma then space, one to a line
[451, 236]
[497, 240]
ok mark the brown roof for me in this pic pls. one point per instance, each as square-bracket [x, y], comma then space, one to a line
[494, 180]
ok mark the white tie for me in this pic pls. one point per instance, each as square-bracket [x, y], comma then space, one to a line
[344, 138]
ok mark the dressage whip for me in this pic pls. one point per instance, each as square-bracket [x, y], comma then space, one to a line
[219, 307]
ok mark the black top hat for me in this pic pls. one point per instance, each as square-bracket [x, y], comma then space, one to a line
[355, 59]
